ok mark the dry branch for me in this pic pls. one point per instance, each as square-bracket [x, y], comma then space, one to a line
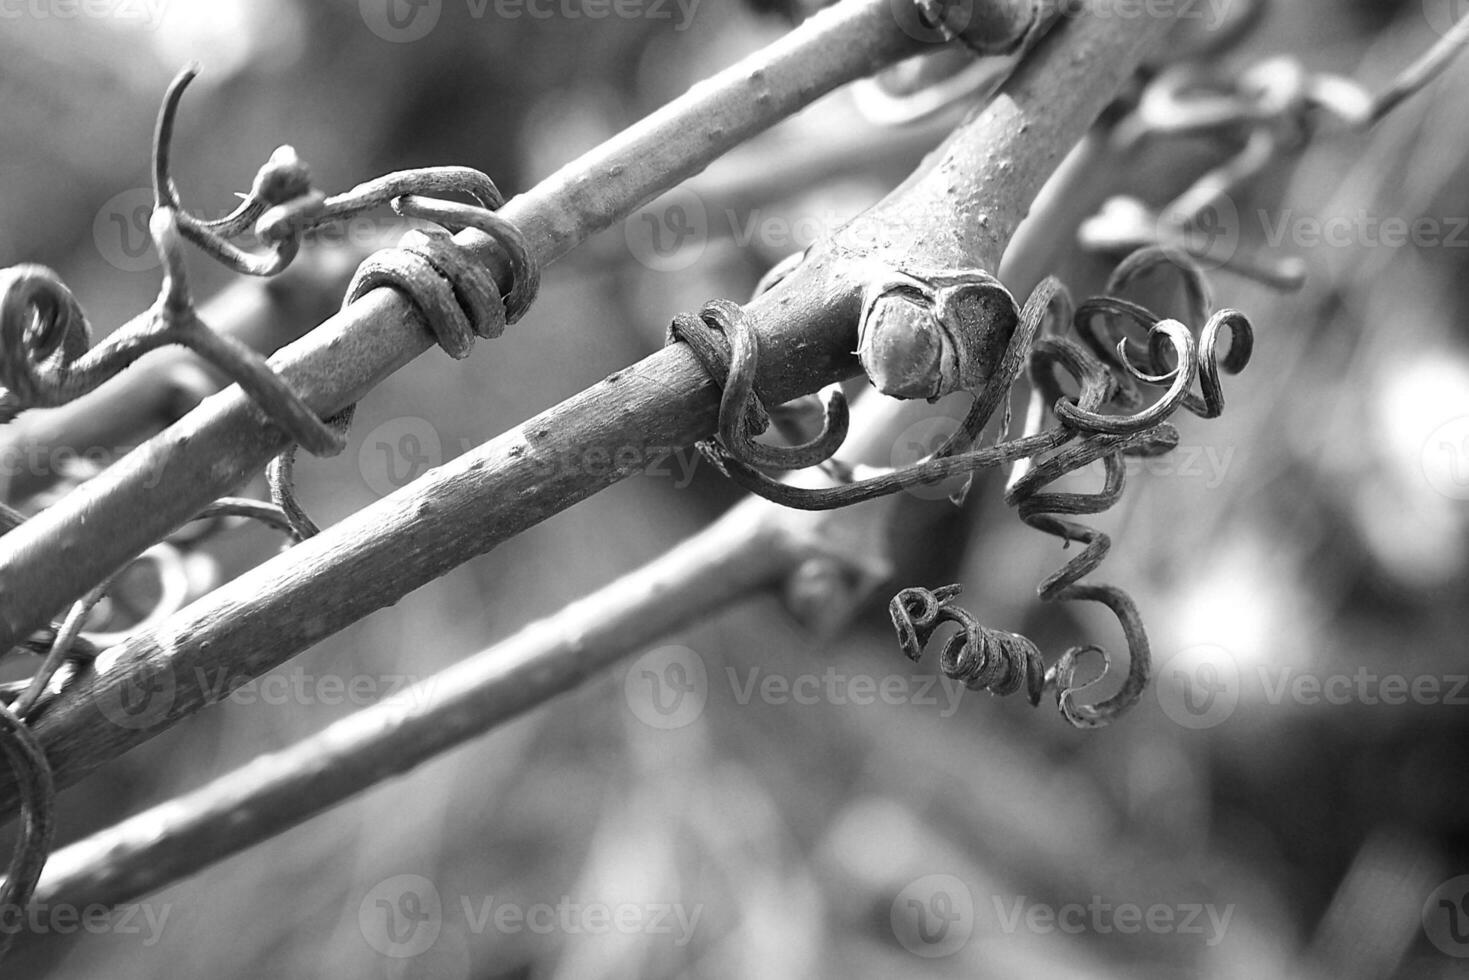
[59, 555]
[756, 547]
[976, 188]
[730, 559]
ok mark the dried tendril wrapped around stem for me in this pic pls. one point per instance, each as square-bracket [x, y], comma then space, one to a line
[46, 357]
[1107, 419]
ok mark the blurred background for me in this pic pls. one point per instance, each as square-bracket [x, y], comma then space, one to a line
[1285, 801]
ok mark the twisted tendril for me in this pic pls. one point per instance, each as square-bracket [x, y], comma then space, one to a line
[1104, 421]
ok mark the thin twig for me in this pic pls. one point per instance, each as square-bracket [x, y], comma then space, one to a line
[978, 187]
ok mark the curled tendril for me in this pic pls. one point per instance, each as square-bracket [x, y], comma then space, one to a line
[722, 339]
[282, 205]
[280, 477]
[46, 357]
[37, 790]
[67, 643]
[1180, 379]
[1103, 421]
[525, 275]
[982, 658]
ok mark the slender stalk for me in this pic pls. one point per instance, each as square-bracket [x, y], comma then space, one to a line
[61, 554]
[959, 211]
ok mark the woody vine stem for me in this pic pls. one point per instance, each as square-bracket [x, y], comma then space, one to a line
[992, 166]
[931, 321]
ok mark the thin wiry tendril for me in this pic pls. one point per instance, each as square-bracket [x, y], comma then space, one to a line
[982, 658]
[1088, 428]
[67, 643]
[37, 790]
[46, 357]
[280, 477]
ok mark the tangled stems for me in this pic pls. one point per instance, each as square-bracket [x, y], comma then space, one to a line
[500, 488]
[1087, 429]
